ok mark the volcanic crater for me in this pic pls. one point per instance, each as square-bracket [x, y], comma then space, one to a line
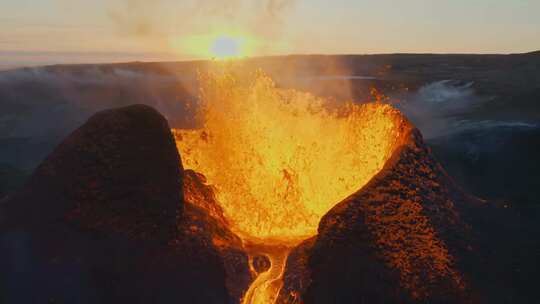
[278, 197]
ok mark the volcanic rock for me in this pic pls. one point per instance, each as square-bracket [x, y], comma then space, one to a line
[102, 220]
[117, 173]
[203, 221]
[198, 193]
[261, 263]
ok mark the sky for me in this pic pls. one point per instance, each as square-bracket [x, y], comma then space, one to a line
[42, 31]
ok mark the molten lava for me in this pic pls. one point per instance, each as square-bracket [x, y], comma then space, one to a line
[280, 159]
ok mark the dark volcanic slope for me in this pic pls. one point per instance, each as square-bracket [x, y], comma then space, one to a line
[105, 175]
[102, 220]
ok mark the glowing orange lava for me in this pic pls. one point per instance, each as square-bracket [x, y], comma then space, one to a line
[280, 159]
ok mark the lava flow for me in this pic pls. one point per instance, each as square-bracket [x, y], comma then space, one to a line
[266, 286]
[280, 159]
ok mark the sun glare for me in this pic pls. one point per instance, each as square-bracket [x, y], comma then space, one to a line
[226, 47]
[223, 44]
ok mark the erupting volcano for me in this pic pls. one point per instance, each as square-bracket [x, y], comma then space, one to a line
[280, 159]
[269, 152]
[278, 196]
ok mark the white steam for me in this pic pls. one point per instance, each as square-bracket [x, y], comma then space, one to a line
[437, 108]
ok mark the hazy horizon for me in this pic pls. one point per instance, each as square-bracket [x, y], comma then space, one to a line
[38, 32]
[13, 60]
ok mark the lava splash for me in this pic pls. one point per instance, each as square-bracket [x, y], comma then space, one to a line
[280, 159]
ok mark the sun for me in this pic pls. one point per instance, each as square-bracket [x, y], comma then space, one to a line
[218, 44]
[226, 47]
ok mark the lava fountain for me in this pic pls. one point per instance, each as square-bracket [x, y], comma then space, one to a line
[280, 159]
